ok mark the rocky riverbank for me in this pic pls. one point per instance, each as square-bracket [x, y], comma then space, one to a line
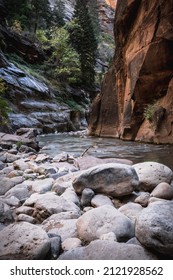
[63, 207]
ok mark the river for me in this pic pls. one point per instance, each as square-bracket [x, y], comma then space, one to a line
[106, 147]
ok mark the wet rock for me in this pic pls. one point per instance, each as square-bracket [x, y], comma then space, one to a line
[87, 195]
[42, 186]
[23, 241]
[131, 210]
[119, 179]
[151, 174]
[163, 190]
[100, 200]
[71, 243]
[108, 250]
[94, 223]
[154, 227]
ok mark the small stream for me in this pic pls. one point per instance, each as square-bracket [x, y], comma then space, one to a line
[106, 147]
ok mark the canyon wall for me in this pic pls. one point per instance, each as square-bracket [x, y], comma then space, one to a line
[136, 100]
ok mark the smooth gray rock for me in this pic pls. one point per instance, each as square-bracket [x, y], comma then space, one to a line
[5, 213]
[64, 228]
[154, 227]
[100, 200]
[26, 218]
[5, 185]
[71, 243]
[131, 210]
[94, 223]
[163, 190]
[21, 191]
[70, 195]
[151, 174]
[111, 179]
[42, 186]
[23, 241]
[143, 199]
[108, 250]
[87, 195]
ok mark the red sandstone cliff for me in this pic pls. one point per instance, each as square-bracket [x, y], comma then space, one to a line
[141, 75]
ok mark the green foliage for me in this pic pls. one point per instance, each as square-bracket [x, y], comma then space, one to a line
[149, 111]
[4, 108]
[64, 58]
[58, 14]
[84, 41]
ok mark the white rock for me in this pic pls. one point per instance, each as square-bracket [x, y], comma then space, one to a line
[23, 241]
[151, 174]
[94, 223]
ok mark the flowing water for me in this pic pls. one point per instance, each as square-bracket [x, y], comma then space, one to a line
[106, 147]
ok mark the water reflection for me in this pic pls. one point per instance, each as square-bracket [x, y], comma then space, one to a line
[106, 147]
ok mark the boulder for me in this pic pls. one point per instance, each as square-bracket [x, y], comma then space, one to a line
[96, 222]
[70, 195]
[5, 185]
[42, 186]
[100, 200]
[131, 210]
[71, 243]
[154, 227]
[49, 203]
[143, 199]
[23, 241]
[163, 190]
[151, 174]
[108, 250]
[5, 213]
[21, 191]
[115, 180]
[87, 195]
[64, 228]
[86, 162]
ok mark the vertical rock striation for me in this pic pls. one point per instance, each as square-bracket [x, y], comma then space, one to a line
[136, 101]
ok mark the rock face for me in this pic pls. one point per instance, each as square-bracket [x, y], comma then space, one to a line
[136, 97]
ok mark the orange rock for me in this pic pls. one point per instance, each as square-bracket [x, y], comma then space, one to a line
[141, 75]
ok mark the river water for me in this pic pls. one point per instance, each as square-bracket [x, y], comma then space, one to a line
[106, 147]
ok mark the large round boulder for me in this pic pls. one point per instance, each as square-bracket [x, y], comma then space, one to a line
[151, 174]
[23, 241]
[154, 227]
[104, 219]
[111, 179]
[108, 250]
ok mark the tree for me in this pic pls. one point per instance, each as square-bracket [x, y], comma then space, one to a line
[64, 59]
[58, 14]
[94, 15]
[84, 41]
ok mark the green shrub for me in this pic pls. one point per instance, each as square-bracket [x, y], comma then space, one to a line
[149, 111]
[4, 107]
